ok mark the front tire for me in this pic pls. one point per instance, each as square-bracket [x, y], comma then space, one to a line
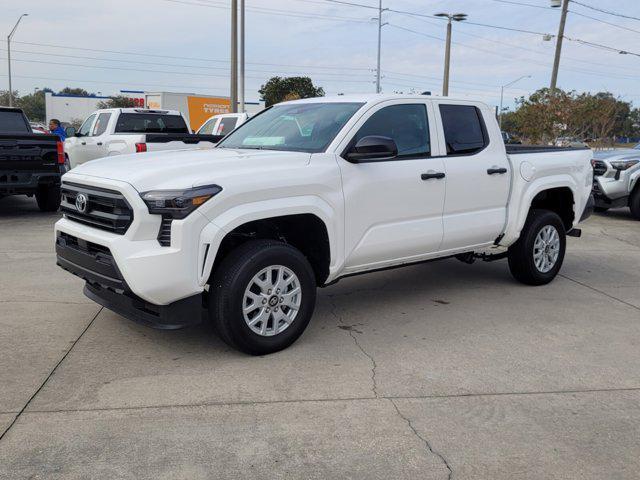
[262, 297]
[600, 209]
[48, 198]
[536, 258]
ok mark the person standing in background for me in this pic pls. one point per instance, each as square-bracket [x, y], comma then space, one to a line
[56, 129]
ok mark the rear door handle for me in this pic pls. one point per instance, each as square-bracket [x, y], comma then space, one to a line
[430, 175]
[99, 143]
[83, 143]
[498, 170]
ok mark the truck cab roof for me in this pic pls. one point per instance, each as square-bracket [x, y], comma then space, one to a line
[375, 98]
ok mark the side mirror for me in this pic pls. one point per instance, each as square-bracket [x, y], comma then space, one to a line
[70, 131]
[372, 148]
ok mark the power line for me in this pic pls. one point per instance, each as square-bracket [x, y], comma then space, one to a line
[341, 80]
[601, 10]
[272, 11]
[573, 12]
[521, 4]
[143, 54]
[136, 62]
[546, 65]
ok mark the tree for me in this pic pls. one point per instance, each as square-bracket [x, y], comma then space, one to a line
[76, 91]
[278, 89]
[33, 105]
[4, 97]
[119, 101]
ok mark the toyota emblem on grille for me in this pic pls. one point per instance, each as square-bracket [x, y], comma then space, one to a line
[81, 203]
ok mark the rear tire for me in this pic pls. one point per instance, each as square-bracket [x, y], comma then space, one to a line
[634, 203]
[537, 256]
[262, 297]
[600, 209]
[48, 198]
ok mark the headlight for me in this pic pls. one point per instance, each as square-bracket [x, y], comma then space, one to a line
[178, 203]
[624, 165]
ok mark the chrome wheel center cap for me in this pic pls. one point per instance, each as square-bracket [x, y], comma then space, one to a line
[273, 301]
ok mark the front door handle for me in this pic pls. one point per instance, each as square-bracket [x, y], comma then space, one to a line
[498, 170]
[99, 143]
[83, 143]
[431, 174]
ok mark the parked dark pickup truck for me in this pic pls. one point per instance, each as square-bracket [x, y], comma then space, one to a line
[30, 163]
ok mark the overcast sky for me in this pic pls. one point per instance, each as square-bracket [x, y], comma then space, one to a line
[185, 46]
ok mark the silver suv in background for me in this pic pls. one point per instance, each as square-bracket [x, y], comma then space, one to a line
[616, 180]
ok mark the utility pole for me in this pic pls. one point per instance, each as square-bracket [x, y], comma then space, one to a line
[9, 56]
[234, 56]
[378, 89]
[502, 96]
[457, 17]
[242, 44]
[556, 60]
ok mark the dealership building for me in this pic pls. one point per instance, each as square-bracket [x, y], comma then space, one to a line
[196, 108]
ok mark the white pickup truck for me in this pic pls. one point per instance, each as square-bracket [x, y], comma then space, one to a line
[222, 124]
[306, 193]
[116, 131]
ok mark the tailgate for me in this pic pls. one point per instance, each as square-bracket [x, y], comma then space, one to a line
[28, 152]
[181, 140]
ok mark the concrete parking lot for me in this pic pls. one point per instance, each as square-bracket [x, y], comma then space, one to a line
[441, 370]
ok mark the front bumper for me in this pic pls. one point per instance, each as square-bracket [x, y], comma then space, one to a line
[610, 192]
[106, 286]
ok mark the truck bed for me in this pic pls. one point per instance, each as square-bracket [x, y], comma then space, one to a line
[513, 149]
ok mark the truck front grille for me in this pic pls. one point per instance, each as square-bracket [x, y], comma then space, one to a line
[599, 167]
[98, 207]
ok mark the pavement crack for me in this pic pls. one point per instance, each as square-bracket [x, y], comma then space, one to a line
[50, 374]
[598, 291]
[352, 333]
[423, 440]
[603, 232]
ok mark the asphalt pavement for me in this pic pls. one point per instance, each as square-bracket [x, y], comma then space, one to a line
[440, 370]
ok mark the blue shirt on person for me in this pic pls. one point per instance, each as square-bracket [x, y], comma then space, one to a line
[60, 132]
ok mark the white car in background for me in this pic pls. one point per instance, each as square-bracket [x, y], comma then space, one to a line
[117, 131]
[222, 124]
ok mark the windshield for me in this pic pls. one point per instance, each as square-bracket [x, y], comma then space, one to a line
[302, 127]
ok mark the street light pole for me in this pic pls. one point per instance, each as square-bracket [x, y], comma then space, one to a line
[242, 43]
[457, 17]
[234, 56]
[556, 60]
[378, 90]
[502, 96]
[9, 56]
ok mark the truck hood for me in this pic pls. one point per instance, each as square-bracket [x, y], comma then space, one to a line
[182, 169]
[618, 154]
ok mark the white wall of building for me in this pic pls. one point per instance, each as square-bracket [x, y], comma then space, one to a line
[69, 108]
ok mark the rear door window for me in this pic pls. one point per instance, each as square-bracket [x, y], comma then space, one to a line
[101, 124]
[464, 129]
[227, 124]
[150, 123]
